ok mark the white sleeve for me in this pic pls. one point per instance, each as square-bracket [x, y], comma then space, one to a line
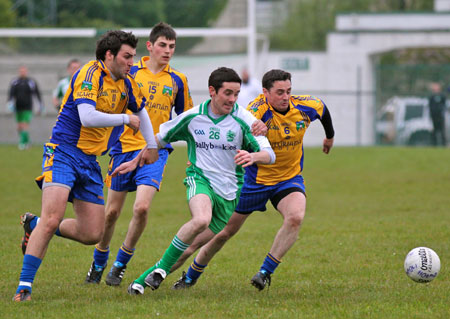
[90, 117]
[161, 141]
[146, 128]
[174, 126]
[245, 115]
[264, 145]
[263, 142]
[165, 127]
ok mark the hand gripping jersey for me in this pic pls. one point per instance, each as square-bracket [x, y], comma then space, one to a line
[213, 143]
[94, 85]
[166, 90]
[285, 133]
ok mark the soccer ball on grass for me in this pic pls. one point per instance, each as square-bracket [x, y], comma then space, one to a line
[422, 264]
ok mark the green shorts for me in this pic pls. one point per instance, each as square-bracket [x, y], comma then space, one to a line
[24, 116]
[222, 209]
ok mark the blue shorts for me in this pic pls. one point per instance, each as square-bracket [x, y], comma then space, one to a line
[255, 196]
[150, 174]
[67, 166]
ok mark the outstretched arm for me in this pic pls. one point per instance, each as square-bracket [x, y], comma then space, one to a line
[138, 160]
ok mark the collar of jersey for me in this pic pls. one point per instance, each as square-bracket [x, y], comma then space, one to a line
[204, 110]
[142, 65]
[102, 66]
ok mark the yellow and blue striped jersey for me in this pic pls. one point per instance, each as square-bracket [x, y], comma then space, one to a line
[166, 90]
[93, 84]
[285, 134]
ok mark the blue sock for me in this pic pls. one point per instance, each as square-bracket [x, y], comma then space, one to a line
[101, 257]
[34, 222]
[123, 255]
[270, 264]
[194, 271]
[29, 268]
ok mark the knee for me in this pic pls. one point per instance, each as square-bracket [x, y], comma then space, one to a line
[140, 210]
[51, 225]
[295, 220]
[200, 224]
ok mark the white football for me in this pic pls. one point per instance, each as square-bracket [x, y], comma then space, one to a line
[422, 264]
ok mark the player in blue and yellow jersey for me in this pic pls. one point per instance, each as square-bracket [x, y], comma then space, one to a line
[287, 117]
[96, 100]
[165, 89]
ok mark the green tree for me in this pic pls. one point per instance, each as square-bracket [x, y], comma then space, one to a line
[111, 14]
[118, 13]
[7, 15]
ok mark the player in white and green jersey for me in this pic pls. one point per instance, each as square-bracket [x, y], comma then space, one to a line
[64, 83]
[220, 144]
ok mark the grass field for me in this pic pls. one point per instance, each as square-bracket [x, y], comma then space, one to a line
[367, 207]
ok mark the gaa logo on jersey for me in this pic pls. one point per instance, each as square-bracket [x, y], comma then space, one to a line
[300, 125]
[86, 85]
[167, 90]
[230, 136]
[199, 132]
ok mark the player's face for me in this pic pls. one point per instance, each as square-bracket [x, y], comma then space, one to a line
[162, 50]
[23, 72]
[223, 100]
[120, 64]
[279, 94]
[73, 67]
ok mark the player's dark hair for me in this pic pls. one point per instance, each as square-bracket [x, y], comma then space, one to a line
[162, 29]
[221, 75]
[113, 41]
[273, 76]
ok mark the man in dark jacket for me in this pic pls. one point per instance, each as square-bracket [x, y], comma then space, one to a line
[436, 103]
[20, 99]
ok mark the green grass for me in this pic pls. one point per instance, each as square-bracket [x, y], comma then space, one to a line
[367, 207]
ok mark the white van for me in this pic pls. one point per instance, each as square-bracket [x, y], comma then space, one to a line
[406, 121]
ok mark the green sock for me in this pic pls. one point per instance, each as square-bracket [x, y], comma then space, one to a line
[22, 137]
[170, 257]
[26, 137]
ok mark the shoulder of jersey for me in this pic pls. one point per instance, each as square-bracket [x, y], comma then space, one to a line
[175, 71]
[258, 103]
[134, 70]
[305, 100]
